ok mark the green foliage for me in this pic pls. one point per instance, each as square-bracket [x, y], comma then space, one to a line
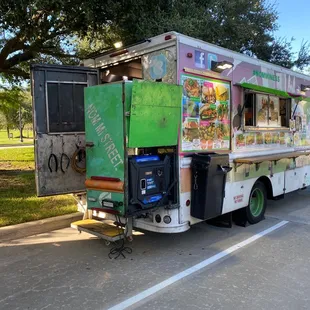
[2, 121]
[34, 30]
[13, 101]
[244, 26]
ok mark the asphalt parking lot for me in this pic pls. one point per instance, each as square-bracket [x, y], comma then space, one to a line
[66, 270]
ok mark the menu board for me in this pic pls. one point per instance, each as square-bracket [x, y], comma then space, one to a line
[205, 114]
[258, 140]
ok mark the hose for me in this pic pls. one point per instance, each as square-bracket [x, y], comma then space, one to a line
[76, 158]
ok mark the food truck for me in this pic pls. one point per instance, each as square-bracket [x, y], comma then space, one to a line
[170, 132]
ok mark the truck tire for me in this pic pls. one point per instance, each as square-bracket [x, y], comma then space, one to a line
[255, 211]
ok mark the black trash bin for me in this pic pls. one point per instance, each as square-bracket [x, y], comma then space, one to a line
[208, 184]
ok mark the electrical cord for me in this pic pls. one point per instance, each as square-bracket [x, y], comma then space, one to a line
[155, 207]
[77, 157]
[118, 251]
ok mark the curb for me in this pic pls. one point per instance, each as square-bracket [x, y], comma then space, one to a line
[18, 231]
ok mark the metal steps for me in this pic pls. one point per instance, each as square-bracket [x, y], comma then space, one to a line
[104, 230]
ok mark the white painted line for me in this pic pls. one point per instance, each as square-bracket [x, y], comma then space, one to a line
[156, 288]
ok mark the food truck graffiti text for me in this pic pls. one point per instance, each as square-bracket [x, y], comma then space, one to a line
[106, 139]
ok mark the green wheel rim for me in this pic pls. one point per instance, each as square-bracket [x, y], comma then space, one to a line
[257, 202]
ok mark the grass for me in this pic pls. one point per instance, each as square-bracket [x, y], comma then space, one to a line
[4, 141]
[19, 203]
[17, 158]
[18, 200]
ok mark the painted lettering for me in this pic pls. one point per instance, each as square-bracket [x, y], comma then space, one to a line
[110, 148]
[116, 160]
[100, 129]
[113, 153]
[105, 137]
[265, 75]
[238, 199]
[120, 162]
[95, 119]
[91, 111]
[92, 114]
[90, 108]
[108, 142]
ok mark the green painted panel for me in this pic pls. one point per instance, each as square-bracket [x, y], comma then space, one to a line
[104, 128]
[155, 114]
[99, 195]
[128, 93]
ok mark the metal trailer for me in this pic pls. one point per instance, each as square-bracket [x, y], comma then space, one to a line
[217, 135]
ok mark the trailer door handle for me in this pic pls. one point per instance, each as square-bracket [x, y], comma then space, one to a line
[89, 144]
[225, 169]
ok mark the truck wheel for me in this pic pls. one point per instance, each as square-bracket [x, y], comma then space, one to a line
[257, 203]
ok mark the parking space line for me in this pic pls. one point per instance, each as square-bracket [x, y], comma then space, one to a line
[158, 287]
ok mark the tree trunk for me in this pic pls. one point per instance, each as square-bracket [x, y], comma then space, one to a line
[8, 131]
[20, 125]
[21, 131]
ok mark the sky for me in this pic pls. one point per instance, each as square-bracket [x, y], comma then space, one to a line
[293, 20]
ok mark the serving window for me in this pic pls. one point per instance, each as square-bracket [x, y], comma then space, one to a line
[263, 110]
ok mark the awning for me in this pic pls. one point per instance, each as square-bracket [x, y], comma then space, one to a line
[302, 98]
[272, 91]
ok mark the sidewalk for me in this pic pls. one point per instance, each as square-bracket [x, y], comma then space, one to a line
[19, 231]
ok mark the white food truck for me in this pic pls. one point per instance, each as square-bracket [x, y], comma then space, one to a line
[175, 131]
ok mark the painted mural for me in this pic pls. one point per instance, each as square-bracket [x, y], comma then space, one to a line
[270, 134]
[205, 114]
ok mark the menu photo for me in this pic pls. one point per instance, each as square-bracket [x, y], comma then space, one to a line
[190, 133]
[274, 112]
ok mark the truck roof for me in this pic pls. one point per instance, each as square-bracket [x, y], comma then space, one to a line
[171, 38]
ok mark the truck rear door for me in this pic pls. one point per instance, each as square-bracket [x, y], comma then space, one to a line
[58, 118]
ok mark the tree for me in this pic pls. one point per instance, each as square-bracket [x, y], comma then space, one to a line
[43, 29]
[13, 101]
[2, 121]
[245, 26]
[8, 102]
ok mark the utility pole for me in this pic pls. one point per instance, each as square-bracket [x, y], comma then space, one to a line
[20, 124]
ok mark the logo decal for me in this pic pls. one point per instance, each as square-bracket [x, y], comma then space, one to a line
[200, 59]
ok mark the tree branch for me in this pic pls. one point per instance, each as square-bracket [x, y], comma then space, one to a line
[15, 72]
[56, 53]
[18, 58]
[11, 46]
